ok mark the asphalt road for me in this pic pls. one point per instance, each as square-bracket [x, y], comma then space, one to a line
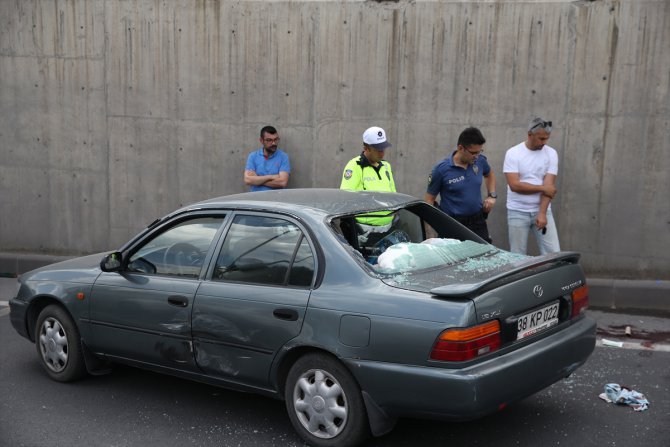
[131, 407]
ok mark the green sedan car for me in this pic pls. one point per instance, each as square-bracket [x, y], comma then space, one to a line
[355, 308]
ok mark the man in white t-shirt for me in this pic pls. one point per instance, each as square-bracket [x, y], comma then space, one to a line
[531, 168]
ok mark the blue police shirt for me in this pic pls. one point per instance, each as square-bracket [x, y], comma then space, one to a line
[272, 165]
[459, 189]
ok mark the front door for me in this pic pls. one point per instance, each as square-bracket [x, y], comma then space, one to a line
[143, 313]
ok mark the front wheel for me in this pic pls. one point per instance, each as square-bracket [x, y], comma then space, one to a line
[324, 402]
[58, 345]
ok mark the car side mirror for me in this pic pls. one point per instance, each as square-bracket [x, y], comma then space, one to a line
[111, 262]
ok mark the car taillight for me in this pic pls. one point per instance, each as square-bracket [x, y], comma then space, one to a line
[458, 345]
[580, 300]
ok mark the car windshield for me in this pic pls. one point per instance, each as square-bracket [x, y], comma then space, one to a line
[417, 238]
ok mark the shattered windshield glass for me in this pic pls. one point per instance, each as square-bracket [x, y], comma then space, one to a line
[429, 253]
[418, 238]
[435, 252]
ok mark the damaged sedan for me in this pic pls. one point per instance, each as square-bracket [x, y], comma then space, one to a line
[355, 308]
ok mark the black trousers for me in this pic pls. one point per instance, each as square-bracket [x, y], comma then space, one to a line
[476, 223]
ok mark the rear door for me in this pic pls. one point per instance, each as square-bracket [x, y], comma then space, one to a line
[256, 299]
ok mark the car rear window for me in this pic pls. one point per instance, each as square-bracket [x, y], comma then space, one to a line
[417, 238]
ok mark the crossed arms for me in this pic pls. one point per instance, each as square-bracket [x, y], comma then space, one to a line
[272, 180]
[547, 190]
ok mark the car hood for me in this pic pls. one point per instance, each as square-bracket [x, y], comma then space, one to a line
[84, 270]
[475, 275]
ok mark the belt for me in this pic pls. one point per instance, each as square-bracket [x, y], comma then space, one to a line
[472, 219]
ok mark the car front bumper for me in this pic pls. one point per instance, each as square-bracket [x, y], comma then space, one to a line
[473, 392]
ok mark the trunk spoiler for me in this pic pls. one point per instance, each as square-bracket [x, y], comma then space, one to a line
[464, 289]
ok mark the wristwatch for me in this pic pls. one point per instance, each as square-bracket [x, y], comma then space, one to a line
[493, 195]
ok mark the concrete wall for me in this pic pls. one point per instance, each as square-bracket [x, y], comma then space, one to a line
[117, 112]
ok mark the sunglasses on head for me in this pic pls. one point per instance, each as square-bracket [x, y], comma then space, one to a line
[542, 124]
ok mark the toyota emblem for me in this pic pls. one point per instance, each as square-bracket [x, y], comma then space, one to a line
[538, 291]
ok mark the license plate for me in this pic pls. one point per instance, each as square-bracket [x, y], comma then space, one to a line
[537, 320]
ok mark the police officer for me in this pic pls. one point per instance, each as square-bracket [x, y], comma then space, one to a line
[458, 181]
[369, 171]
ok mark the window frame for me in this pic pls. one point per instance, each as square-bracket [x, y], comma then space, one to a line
[306, 234]
[153, 232]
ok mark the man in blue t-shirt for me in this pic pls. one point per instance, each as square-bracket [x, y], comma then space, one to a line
[267, 167]
[458, 181]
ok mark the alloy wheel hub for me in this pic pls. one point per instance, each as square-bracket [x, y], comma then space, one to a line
[318, 404]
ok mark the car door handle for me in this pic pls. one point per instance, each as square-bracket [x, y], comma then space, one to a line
[285, 314]
[178, 300]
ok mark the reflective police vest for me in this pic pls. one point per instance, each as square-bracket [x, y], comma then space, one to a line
[360, 175]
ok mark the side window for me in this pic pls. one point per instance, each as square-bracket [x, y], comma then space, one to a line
[371, 240]
[302, 270]
[265, 250]
[411, 225]
[178, 251]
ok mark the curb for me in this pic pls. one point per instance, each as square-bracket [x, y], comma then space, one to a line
[622, 295]
[628, 294]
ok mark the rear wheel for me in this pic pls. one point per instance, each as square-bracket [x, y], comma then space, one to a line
[324, 402]
[58, 345]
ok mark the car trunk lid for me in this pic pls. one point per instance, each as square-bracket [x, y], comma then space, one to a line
[527, 295]
[473, 276]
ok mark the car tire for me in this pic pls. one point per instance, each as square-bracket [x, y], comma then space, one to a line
[324, 402]
[58, 345]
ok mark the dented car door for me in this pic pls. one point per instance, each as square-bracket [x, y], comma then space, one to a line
[143, 312]
[144, 318]
[256, 299]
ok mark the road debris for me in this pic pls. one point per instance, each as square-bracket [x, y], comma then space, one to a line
[623, 395]
[612, 343]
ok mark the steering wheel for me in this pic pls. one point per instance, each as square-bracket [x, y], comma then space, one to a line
[180, 256]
